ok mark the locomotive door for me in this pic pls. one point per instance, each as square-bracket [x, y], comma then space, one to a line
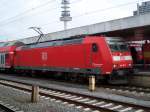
[2, 60]
[95, 56]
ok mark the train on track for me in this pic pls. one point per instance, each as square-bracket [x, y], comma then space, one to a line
[105, 57]
[146, 53]
[136, 51]
[140, 51]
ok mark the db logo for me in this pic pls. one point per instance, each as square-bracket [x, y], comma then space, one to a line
[44, 56]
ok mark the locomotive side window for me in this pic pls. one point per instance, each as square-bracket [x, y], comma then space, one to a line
[94, 47]
[1, 56]
[6, 56]
[1, 59]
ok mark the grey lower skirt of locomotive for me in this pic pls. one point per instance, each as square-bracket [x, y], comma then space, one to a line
[120, 76]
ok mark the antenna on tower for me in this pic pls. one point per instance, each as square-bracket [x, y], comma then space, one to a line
[65, 13]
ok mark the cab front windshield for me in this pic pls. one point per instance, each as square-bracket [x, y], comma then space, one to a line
[118, 47]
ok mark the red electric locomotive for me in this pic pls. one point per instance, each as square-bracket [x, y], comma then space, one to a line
[87, 55]
[101, 56]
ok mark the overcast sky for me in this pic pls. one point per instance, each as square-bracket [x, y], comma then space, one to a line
[16, 16]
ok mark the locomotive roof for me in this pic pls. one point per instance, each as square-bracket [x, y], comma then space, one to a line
[65, 41]
[56, 42]
[12, 43]
[114, 39]
[71, 40]
[2, 44]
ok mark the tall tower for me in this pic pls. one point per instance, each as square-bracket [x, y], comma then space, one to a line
[65, 13]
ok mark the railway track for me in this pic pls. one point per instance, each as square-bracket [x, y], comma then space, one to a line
[80, 100]
[135, 88]
[124, 89]
[5, 107]
[128, 89]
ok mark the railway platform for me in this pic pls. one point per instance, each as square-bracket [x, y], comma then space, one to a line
[141, 78]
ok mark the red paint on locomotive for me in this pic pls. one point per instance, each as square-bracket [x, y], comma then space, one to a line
[78, 56]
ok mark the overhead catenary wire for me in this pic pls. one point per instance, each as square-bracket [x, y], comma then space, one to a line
[2, 23]
[19, 16]
[91, 12]
[29, 10]
[96, 11]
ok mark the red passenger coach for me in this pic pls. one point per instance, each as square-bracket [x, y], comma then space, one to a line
[94, 55]
[136, 51]
[7, 51]
[146, 52]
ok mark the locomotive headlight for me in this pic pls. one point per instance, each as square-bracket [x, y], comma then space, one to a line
[115, 66]
[11, 52]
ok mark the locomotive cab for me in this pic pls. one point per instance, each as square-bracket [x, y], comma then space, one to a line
[122, 60]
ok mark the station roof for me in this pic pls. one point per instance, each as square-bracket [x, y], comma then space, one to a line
[124, 24]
